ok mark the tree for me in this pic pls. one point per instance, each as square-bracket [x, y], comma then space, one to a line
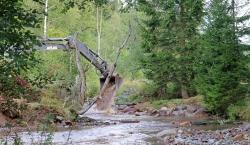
[170, 39]
[222, 64]
[16, 42]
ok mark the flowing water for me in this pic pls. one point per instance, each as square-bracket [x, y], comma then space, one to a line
[142, 132]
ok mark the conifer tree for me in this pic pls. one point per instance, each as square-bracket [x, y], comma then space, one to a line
[222, 63]
[170, 39]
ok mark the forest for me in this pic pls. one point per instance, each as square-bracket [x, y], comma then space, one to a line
[173, 56]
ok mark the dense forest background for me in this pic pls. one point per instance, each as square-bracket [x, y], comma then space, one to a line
[178, 49]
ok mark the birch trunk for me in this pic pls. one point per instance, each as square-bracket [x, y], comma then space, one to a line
[45, 27]
[99, 13]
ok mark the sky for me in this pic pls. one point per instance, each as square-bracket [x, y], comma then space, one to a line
[241, 11]
[244, 11]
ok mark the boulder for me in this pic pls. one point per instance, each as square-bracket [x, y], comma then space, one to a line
[165, 111]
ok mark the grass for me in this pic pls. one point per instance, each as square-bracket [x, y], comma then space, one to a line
[50, 100]
[240, 111]
[197, 100]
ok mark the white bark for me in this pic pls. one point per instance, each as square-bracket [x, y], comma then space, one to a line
[99, 13]
[45, 27]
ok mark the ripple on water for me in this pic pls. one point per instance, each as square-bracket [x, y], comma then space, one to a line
[142, 133]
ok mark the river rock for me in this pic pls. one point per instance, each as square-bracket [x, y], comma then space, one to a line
[238, 137]
[179, 108]
[199, 111]
[121, 107]
[130, 110]
[140, 113]
[164, 111]
[179, 113]
[153, 112]
[191, 109]
[185, 124]
[168, 132]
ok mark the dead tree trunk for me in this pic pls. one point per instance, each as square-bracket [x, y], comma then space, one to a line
[82, 79]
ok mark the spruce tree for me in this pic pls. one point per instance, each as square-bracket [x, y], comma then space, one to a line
[221, 65]
[170, 40]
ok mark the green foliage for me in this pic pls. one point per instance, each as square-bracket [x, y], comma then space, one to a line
[221, 65]
[60, 68]
[16, 44]
[170, 38]
[82, 4]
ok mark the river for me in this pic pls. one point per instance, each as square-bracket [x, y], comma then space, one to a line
[141, 130]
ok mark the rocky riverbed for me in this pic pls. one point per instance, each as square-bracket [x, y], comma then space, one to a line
[180, 111]
[188, 136]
